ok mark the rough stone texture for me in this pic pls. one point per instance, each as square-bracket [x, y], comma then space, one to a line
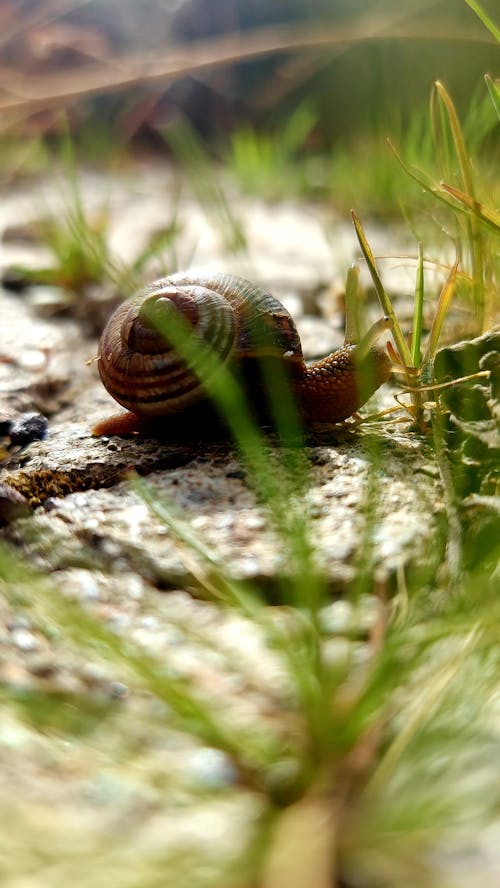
[101, 546]
[45, 369]
[67, 472]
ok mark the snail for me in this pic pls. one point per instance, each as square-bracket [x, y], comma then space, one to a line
[244, 326]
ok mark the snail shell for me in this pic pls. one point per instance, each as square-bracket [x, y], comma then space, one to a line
[243, 325]
[230, 315]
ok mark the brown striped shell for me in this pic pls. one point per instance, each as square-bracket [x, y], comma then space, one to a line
[231, 316]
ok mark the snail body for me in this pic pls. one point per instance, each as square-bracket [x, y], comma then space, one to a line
[243, 326]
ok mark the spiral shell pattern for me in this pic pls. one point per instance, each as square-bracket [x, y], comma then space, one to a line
[140, 368]
[241, 325]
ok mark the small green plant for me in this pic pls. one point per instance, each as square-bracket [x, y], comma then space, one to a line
[80, 250]
[82, 259]
[272, 164]
[421, 655]
[78, 240]
[477, 226]
[276, 165]
[206, 183]
[78, 243]
[478, 230]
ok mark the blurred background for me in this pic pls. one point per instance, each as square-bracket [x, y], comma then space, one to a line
[324, 76]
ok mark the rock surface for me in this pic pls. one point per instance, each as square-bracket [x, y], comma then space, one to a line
[92, 534]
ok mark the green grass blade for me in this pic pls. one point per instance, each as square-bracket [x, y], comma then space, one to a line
[352, 300]
[458, 139]
[430, 698]
[418, 311]
[385, 302]
[475, 234]
[490, 217]
[238, 595]
[271, 163]
[485, 18]
[193, 156]
[441, 136]
[445, 297]
[192, 712]
[277, 474]
[494, 91]
[420, 181]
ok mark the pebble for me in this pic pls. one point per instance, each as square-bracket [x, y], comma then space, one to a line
[319, 457]
[250, 566]
[212, 769]
[337, 617]
[342, 617]
[33, 359]
[86, 585]
[5, 423]
[92, 675]
[337, 651]
[255, 522]
[19, 621]
[233, 470]
[119, 691]
[316, 510]
[13, 504]
[25, 640]
[48, 301]
[224, 521]
[14, 280]
[42, 665]
[28, 427]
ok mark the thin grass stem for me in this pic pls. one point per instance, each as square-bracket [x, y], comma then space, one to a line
[444, 301]
[475, 235]
[381, 293]
[485, 18]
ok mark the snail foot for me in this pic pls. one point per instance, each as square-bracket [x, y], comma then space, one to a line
[124, 425]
